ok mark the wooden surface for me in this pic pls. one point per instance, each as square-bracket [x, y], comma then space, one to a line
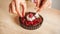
[51, 23]
[10, 24]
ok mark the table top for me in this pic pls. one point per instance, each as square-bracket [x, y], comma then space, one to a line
[51, 23]
[10, 24]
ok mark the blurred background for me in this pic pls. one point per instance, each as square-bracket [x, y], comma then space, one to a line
[55, 4]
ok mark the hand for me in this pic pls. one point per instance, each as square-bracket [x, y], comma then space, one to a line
[46, 4]
[43, 4]
[16, 5]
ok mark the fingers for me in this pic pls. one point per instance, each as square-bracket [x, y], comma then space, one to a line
[20, 5]
[44, 4]
[39, 4]
[24, 8]
[12, 8]
[16, 5]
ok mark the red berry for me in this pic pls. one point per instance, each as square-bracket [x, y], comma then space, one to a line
[30, 15]
[35, 22]
[23, 20]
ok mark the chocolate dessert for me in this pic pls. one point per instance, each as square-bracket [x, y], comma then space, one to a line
[31, 21]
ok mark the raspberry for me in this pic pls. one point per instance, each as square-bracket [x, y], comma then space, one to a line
[28, 23]
[23, 20]
[30, 15]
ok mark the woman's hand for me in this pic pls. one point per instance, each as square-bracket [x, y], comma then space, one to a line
[45, 4]
[16, 5]
[19, 7]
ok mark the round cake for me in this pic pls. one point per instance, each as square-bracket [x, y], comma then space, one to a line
[31, 21]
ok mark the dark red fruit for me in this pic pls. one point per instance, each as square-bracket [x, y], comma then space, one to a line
[30, 15]
[30, 24]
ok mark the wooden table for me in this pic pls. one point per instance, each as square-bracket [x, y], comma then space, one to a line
[50, 25]
[10, 24]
